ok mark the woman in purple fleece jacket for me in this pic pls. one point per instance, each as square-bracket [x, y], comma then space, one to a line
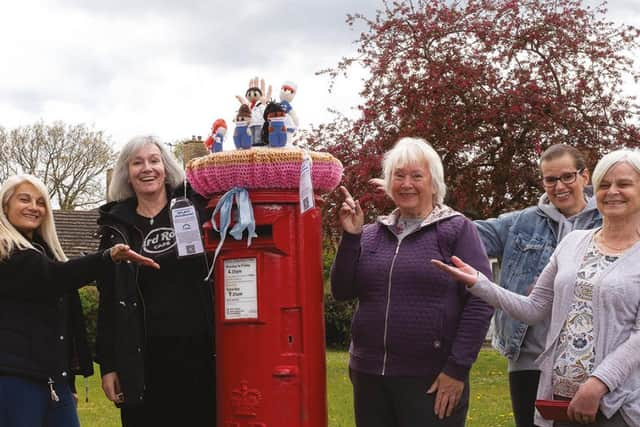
[416, 331]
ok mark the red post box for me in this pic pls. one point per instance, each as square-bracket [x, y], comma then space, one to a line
[270, 340]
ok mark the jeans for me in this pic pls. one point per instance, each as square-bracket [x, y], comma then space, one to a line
[381, 401]
[27, 403]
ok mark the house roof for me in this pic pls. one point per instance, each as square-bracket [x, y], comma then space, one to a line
[77, 231]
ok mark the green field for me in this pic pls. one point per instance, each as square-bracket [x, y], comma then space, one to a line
[489, 406]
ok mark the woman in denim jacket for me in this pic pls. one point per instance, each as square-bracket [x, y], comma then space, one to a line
[523, 241]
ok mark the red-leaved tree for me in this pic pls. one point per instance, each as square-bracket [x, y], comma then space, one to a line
[490, 84]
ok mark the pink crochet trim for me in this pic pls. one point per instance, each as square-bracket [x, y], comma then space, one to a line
[261, 169]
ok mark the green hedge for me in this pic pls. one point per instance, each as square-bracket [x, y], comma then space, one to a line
[337, 320]
[89, 299]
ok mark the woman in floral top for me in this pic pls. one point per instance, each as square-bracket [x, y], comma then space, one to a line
[591, 290]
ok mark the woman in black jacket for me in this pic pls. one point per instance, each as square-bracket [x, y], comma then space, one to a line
[155, 329]
[42, 335]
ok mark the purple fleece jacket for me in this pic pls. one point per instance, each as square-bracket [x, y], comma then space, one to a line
[412, 319]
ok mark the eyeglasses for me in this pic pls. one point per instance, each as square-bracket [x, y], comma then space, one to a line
[566, 178]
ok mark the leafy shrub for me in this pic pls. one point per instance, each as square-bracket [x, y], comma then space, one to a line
[89, 300]
[337, 318]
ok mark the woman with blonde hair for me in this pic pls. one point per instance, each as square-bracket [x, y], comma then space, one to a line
[41, 326]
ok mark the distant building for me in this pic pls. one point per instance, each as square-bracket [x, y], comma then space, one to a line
[77, 231]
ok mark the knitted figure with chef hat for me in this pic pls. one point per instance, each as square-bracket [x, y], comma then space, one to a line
[215, 140]
[287, 93]
[242, 134]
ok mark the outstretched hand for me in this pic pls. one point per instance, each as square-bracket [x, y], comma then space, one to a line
[121, 252]
[350, 214]
[460, 270]
[266, 95]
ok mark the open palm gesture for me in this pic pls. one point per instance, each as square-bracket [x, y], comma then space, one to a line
[460, 270]
[265, 96]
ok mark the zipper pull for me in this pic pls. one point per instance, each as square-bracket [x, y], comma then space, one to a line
[54, 395]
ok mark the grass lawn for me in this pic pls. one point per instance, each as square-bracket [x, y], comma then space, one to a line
[489, 406]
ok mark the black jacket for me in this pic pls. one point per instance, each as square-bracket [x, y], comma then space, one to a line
[42, 331]
[121, 335]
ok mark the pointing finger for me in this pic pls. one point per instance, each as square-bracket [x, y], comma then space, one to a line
[358, 208]
[345, 192]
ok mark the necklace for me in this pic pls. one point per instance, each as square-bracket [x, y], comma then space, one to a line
[145, 216]
[600, 240]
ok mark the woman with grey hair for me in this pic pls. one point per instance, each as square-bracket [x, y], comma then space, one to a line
[591, 290]
[44, 343]
[155, 330]
[416, 332]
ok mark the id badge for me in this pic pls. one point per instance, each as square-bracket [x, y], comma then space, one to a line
[186, 227]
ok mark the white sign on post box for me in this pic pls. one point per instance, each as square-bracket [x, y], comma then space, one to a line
[240, 289]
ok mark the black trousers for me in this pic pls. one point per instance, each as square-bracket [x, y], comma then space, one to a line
[523, 386]
[382, 401]
[180, 385]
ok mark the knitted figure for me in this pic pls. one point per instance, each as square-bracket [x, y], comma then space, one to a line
[242, 134]
[215, 140]
[277, 130]
[274, 130]
[256, 123]
[287, 93]
[253, 95]
[256, 98]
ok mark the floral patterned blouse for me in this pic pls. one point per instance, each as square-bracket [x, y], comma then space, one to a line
[576, 351]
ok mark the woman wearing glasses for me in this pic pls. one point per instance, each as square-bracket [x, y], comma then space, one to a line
[523, 241]
[591, 291]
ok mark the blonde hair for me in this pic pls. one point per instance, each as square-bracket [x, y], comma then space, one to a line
[120, 187]
[10, 238]
[411, 151]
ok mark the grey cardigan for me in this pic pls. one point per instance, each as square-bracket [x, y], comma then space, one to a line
[616, 313]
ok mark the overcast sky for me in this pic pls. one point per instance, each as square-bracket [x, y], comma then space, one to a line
[170, 68]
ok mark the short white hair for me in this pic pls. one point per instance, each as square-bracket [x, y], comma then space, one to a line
[120, 188]
[412, 151]
[632, 157]
[10, 238]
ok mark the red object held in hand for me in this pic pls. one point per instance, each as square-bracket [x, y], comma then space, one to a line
[555, 410]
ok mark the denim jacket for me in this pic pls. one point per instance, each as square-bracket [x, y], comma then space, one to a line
[523, 241]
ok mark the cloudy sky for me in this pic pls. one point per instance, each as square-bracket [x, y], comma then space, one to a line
[171, 67]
